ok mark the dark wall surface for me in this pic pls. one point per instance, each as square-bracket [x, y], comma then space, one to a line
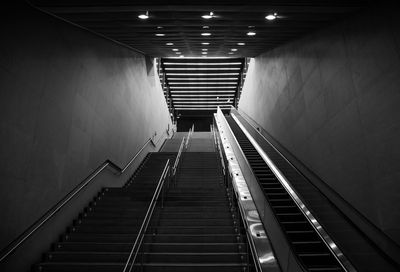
[69, 100]
[332, 99]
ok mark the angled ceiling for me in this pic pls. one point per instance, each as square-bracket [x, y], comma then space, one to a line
[201, 84]
[181, 23]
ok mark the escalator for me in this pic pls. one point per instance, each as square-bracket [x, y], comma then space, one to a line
[310, 249]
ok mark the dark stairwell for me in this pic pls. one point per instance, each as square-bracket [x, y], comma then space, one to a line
[193, 227]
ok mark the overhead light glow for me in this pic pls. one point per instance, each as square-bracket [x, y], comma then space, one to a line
[208, 16]
[144, 16]
[202, 74]
[230, 53]
[201, 68]
[251, 33]
[178, 53]
[181, 56]
[206, 26]
[233, 49]
[241, 43]
[205, 43]
[169, 43]
[204, 49]
[205, 34]
[271, 17]
[175, 49]
[204, 53]
[204, 63]
[160, 34]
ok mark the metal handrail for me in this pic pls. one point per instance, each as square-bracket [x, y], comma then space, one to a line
[189, 134]
[178, 156]
[57, 207]
[139, 238]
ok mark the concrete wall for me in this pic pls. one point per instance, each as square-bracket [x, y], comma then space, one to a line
[332, 99]
[69, 100]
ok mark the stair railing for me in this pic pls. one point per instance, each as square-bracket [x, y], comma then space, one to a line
[178, 156]
[189, 135]
[68, 197]
[165, 177]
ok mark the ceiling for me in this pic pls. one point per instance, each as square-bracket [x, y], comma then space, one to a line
[181, 23]
[201, 84]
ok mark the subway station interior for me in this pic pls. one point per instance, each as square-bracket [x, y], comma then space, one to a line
[248, 136]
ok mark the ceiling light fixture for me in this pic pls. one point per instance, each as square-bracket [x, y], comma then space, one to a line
[178, 53]
[175, 49]
[144, 16]
[205, 34]
[159, 27]
[272, 16]
[169, 43]
[230, 53]
[181, 56]
[208, 16]
[234, 49]
[205, 43]
[204, 49]
[206, 26]
[160, 34]
[241, 43]
[251, 33]
[204, 53]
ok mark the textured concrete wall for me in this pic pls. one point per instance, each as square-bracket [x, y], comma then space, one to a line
[332, 99]
[69, 100]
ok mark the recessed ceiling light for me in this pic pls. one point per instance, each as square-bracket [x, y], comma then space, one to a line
[175, 49]
[160, 34]
[178, 53]
[233, 49]
[208, 16]
[204, 49]
[181, 56]
[204, 53]
[144, 16]
[231, 53]
[206, 26]
[251, 33]
[205, 34]
[159, 27]
[241, 43]
[169, 43]
[271, 17]
[205, 43]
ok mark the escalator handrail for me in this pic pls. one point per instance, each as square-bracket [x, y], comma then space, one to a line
[334, 249]
[15, 244]
[149, 213]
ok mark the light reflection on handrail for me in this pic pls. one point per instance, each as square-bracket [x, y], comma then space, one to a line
[166, 174]
[178, 156]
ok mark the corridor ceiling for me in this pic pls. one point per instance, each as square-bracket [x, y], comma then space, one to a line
[177, 28]
[201, 83]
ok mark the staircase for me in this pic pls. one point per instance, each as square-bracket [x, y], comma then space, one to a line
[102, 236]
[196, 229]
